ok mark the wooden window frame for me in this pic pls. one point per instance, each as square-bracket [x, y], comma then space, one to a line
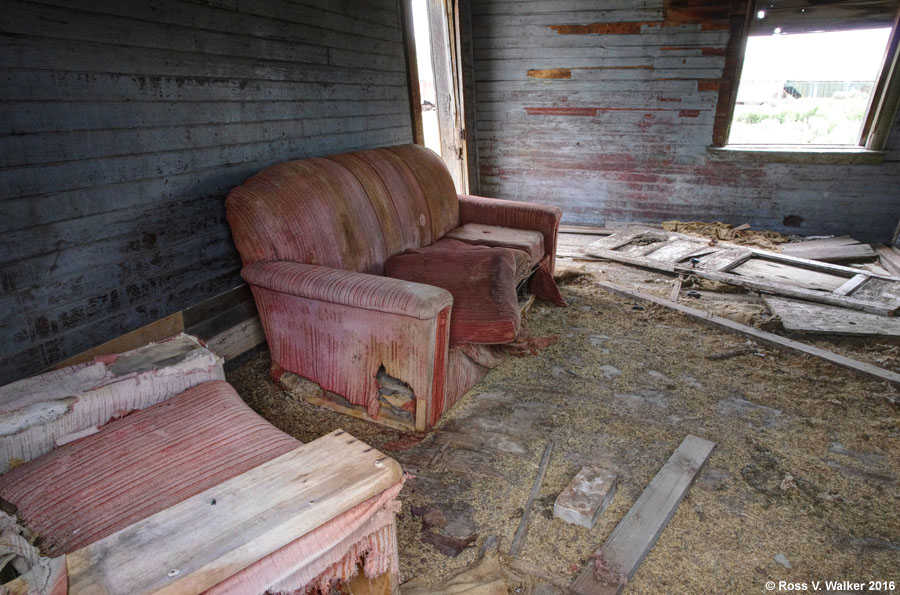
[880, 114]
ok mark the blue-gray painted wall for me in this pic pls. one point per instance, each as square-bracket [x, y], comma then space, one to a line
[123, 126]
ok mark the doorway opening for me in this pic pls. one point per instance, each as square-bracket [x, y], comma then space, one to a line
[436, 42]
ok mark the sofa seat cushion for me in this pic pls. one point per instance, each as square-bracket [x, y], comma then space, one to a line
[528, 240]
[139, 465]
[481, 279]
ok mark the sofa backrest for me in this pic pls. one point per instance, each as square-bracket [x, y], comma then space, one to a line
[350, 211]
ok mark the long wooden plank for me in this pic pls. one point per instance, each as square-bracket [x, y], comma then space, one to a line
[770, 339]
[617, 560]
[823, 297]
[766, 270]
[816, 319]
[518, 541]
[850, 286]
[841, 249]
[203, 540]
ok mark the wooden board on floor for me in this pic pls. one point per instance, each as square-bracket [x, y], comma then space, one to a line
[817, 319]
[766, 338]
[780, 274]
[635, 535]
[790, 275]
[203, 540]
[838, 249]
[889, 259]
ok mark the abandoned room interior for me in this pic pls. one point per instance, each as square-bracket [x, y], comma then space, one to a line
[449, 296]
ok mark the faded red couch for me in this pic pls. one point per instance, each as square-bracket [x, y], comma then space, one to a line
[317, 238]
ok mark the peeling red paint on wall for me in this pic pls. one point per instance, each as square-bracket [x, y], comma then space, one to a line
[561, 111]
[689, 113]
[708, 85]
[550, 73]
[668, 99]
[631, 28]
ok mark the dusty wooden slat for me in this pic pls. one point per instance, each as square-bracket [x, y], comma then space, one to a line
[852, 285]
[242, 520]
[238, 339]
[518, 541]
[641, 261]
[631, 540]
[841, 249]
[155, 331]
[796, 292]
[813, 265]
[676, 290]
[816, 319]
[888, 259]
[770, 339]
[885, 308]
[766, 270]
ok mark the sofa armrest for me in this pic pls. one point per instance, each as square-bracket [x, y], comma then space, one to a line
[510, 213]
[348, 288]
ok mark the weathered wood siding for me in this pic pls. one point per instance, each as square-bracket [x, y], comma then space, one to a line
[124, 125]
[606, 109]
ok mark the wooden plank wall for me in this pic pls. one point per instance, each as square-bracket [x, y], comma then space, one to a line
[606, 110]
[124, 125]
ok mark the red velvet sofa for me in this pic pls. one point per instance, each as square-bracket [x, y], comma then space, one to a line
[369, 265]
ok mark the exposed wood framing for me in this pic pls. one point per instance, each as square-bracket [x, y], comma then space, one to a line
[412, 73]
[607, 572]
[770, 339]
[243, 520]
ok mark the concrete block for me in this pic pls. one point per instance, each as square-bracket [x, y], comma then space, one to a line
[586, 496]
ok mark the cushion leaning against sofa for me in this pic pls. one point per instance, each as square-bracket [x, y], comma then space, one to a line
[482, 281]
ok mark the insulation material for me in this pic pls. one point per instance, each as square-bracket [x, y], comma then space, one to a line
[140, 465]
[39, 413]
[328, 555]
[482, 281]
[485, 576]
[38, 574]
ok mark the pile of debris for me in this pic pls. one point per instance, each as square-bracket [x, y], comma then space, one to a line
[802, 285]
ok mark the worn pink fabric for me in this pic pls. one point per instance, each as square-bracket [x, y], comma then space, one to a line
[482, 281]
[154, 458]
[527, 240]
[139, 465]
[519, 215]
[328, 555]
[352, 212]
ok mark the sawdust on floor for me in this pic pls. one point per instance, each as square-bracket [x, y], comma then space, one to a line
[806, 463]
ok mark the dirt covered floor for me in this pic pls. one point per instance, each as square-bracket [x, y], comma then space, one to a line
[806, 463]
